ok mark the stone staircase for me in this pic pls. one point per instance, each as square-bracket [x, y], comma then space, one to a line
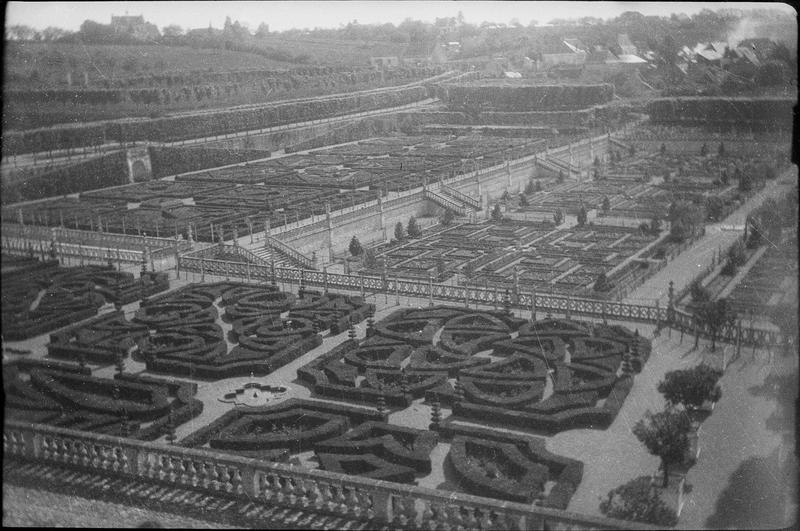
[267, 254]
[449, 202]
[462, 198]
[139, 492]
[620, 144]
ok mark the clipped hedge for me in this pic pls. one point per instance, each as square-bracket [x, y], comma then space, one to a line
[386, 441]
[517, 97]
[95, 173]
[769, 113]
[566, 472]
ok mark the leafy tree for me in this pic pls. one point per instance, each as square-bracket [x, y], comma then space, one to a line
[413, 229]
[399, 233]
[639, 501]
[20, 32]
[355, 247]
[736, 254]
[665, 435]
[370, 260]
[691, 387]
[530, 187]
[784, 316]
[468, 270]
[714, 207]
[172, 31]
[655, 226]
[714, 315]
[745, 182]
[602, 283]
[582, 216]
[170, 429]
[119, 363]
[441, 269]
[497, 215]
[448, 217]
[698, 293]
[685, 219]
[606, 204]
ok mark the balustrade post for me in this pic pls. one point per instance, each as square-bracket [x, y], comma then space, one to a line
[382, 505]
[249, 482]
[132, 454]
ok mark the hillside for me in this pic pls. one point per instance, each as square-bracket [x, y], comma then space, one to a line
[331, 51]
[45, 64]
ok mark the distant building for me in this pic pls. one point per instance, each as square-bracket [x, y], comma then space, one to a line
[452, 48]
[135, 26]
[562, 52]
[391, 61]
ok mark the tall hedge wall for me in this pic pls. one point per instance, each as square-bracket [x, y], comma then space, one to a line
[772, 113]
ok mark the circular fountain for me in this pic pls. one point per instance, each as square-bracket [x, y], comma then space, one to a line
[254, 394]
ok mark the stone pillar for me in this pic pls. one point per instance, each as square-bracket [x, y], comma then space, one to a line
[329, 229]
[382, 217]
[516, 284]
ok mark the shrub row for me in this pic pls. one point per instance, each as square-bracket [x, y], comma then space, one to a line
[774, 113]
[567, 472]
[366, 466]
[173, 160]
[99, 172]
[528, 97]
[100, 340]
[351, 414]
[552, 422]
[386, 441]
[524, 488]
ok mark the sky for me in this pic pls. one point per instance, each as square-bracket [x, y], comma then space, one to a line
[331, 14]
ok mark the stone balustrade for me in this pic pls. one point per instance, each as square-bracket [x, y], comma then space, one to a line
[276, 484]
[88, 238]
